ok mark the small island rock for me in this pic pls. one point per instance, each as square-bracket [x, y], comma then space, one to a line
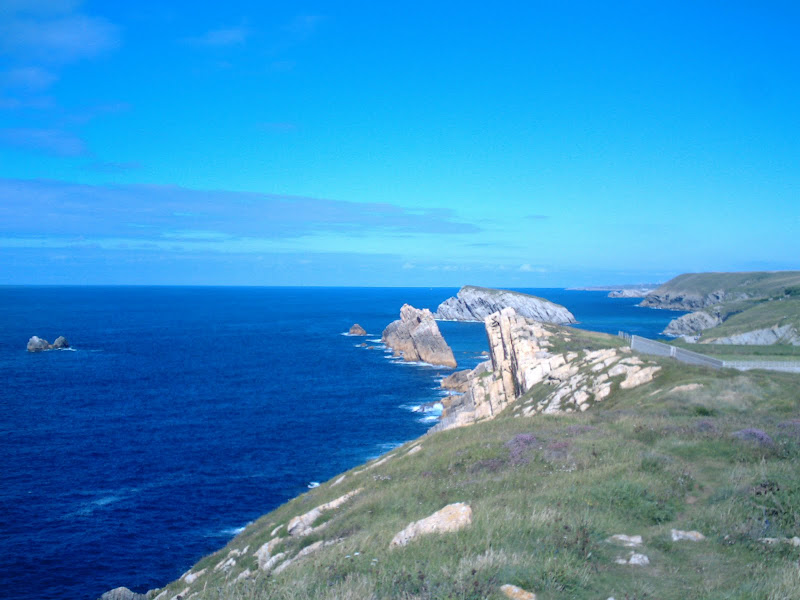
[37, 344]
[416, 337]
[61, 342]
[357, 329]
[474, 303]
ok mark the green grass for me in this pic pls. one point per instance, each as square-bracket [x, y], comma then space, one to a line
[759, 284]
[764, 315]
[776, 352]
[644, 461]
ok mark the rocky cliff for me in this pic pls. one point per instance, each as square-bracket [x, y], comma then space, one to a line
[692, 324]
[476, 303]
[416, 337]
[522, 356]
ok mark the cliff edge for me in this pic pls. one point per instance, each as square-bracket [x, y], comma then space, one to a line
[476, 303]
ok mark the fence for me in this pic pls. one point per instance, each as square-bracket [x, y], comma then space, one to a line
[647, 346]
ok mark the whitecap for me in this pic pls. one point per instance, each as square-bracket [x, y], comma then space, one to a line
[233, 530]
[313, 485]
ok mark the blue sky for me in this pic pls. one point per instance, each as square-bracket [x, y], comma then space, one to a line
[514, 144]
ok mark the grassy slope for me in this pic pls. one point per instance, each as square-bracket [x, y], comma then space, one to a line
[742, 352]
[644, 461]
[760, 284]
[761, 316]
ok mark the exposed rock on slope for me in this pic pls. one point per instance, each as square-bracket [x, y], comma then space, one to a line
[521, 359]
[357, 329]
[416, 336]
[476, 303]
[629, 293]
[692, 323]
[786, 334]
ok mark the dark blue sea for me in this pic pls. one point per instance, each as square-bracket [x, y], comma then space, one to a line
[181, 414]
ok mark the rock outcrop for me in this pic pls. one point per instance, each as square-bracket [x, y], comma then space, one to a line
[786, 334]
[476, 303]
[357, 329]
[521, 358]
[451, 518]
[416, 337]
[630, 293]
[37, 344]
[123, 593]
[692, 323]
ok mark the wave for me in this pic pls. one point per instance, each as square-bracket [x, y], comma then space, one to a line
[312, 485]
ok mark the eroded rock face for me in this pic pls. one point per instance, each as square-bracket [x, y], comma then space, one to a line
[416, 337]
[476, 303]
[451, 518]
[692, 323]
[521, 358]
[304, 524]
[785, 334]
[357, 329]
[677, 300]
[630, 293]
[458, 381]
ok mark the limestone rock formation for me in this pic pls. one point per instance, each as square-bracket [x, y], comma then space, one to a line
[476, 303]
[37, 344]
[416, 337]
[458, 381]
[521, 358]
[681, 300]
[304, 524]
[692, 323]
[451, 518]
[516, 593]
[357, 329]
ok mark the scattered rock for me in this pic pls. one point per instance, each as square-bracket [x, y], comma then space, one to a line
[192, 577]
[634, 558]
[476, 303]
[794, 541]
[689, 387]
[630, 293]
[416, 337]
[338, 481]
[303, 524]
[243, 575]
[450, 518]
[516, 593]
[414, 450]
[264, 553]
[630, 541]
[692, 536]
[357, 329]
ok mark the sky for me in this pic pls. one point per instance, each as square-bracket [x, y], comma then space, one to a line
[517, 144]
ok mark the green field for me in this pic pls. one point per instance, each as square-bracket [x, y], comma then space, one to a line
[776, 352]
[547, 491]
[758, 284]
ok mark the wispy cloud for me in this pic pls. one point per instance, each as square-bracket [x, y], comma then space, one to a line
[537, 217]
[226, 36]
[113, 167]
[221, 220]
[28, 78]
[57, 40]
[56, 142]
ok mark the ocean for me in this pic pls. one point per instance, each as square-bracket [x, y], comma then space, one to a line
[180, 414]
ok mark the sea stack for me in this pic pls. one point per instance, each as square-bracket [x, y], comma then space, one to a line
[357, 329]
[416, 337]
[37, 344]
[476, 303]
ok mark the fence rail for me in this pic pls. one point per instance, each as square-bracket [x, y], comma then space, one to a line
[647, 346]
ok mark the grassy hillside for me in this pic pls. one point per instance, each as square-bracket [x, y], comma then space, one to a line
[758, 284]
[695, 449]
[770, 313]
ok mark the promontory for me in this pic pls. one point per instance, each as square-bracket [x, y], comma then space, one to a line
[476, 303]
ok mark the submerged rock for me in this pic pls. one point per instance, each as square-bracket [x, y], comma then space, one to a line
[416, 337]
[476, 303]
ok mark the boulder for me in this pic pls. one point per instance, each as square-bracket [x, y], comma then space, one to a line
[416, 337]
[357, 329]
[458, 381]
[451, 518]
[691, 536]
[122, 593]
[516, 593]
[475, 304]
[61, 342]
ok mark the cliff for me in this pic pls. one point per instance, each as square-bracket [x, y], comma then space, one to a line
[523, 355]
[637, 491]
[476, 303]
[760, 308]
[416, 337]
